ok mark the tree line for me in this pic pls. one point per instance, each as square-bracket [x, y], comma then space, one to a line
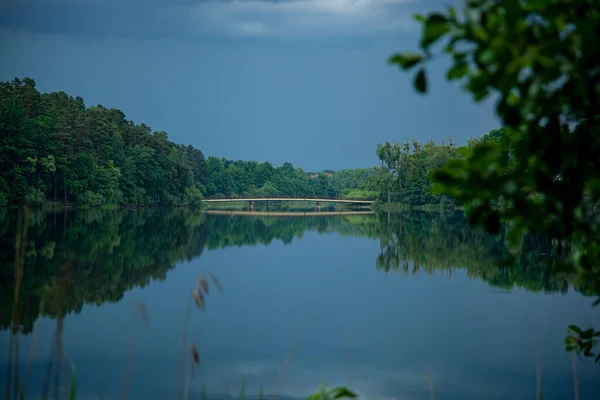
[406, 171]
[55, 148]
[250, 178]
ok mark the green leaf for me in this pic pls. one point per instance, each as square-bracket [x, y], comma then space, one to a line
[443, 177]
[569, 339]
[419, 18]
[436, 18]
[575, 328]
[512, 99]
[536, 5]
[421, 81]
[513, 12]
[405, 60]
[569, 342]
[433, 30]
[457, 71]
[587, 334]
[341, 392]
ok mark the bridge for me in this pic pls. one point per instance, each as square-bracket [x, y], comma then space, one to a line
[317, 200]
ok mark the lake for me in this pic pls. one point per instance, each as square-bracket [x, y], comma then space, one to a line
[393, 305]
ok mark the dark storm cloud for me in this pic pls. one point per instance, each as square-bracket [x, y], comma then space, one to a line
[124, 18]
[153, 19]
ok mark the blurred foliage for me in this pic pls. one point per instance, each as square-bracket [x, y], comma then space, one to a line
[327, 393]
[540, 61]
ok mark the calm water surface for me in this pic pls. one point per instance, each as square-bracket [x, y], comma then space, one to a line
[376, 302]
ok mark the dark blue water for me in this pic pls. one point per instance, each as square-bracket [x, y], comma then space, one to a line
[305, 301]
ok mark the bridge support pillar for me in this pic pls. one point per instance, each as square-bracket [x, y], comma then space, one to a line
[318, 206]
[251, 205]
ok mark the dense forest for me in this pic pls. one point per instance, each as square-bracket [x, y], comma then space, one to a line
[114, 251]
[250, 178]
[54, 148]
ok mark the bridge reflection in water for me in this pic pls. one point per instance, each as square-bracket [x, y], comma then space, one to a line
[287, 213]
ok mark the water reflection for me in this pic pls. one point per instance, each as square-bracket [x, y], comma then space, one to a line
[117, 250]
[79, 258]
[113, 251]
[430, 242]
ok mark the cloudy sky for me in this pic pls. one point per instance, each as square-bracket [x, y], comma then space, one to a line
[303, 81]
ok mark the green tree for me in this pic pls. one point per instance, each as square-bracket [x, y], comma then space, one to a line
[267, 190]
[405, 173]
[386, 157]
[93, 155]
[539, 60]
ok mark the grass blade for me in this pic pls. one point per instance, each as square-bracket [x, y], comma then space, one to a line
[73, 386]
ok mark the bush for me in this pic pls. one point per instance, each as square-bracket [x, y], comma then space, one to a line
[193, 196]
[34, 198]
[211, 190]
[138, 197]
[359, 194]
[89, 198]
